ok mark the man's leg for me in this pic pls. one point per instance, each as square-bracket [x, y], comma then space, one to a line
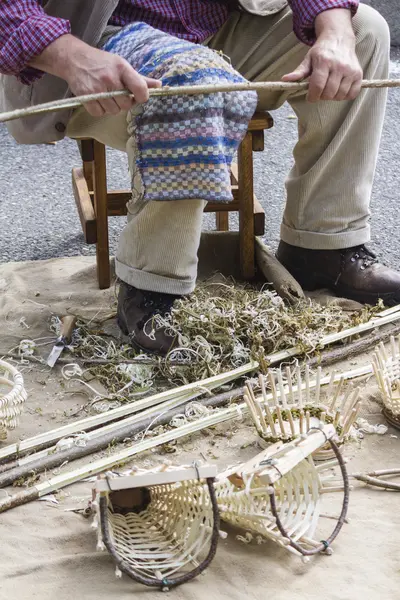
[329, 187]
[157, 249]
[179, 153]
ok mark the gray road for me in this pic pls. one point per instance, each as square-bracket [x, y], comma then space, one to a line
[38, 219]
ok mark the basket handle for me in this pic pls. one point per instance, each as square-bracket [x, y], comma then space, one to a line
[325, 544]
[166, 583]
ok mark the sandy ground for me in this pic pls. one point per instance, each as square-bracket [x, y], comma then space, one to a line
[49, 552]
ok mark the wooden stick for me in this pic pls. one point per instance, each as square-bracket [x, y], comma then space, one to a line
[318, 386]
[353, 348]
[337, 418]
[299, 386]
[257, 408]
[188, 90]
[374, 479]
[60, 481]
[266, 407]
[253, 413]
[349, 421]
[378, 321]
[301, 421]
[337, 393]
[290, 385]
[280, 420]
[122, 431]
[307, 378]
[54, 460]
[185, 392]
[331, 384]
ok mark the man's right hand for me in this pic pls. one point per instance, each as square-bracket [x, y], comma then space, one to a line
[88, 70]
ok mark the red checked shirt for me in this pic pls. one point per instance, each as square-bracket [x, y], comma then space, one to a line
[25, 29]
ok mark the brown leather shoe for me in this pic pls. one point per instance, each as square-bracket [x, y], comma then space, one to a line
[135, 316]
[351, 273]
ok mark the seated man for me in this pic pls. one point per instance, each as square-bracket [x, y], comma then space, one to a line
[134, 43]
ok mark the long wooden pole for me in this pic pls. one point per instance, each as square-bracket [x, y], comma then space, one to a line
[122, 431]
[108, 462]
[187, 90]
[47, 439]
[165, 399]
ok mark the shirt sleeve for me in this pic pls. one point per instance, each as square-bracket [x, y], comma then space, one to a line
[25, 31]
[306, 11]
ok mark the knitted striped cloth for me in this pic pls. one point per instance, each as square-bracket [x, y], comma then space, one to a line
[183, 145]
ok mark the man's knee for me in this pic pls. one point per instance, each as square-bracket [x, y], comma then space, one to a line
[369, 24]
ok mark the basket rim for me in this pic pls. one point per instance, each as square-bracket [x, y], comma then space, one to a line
[113, 484]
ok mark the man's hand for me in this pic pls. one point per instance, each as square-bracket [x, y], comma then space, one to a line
[88, 70]
[332, 65]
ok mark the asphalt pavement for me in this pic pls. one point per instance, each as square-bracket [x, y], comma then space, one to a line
[38, 218]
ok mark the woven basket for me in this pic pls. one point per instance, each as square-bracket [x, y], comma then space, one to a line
[386, 365]
[162, 528]
[278, 494]
[295, 403]
[12, 397]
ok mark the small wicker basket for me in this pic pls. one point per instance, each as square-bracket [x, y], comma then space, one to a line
[386, 365]
[278, 493]
[12, 397]
[161, 528]
[296, 402]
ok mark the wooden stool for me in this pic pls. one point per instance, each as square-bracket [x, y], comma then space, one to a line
[95, 203]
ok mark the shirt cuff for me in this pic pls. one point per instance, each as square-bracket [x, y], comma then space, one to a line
[304, 23]
[29, 40]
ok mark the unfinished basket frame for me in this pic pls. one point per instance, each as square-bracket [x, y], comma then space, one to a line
[11, 402]
[277, 494]
[296, 403]
[172, 536]
[386, 366]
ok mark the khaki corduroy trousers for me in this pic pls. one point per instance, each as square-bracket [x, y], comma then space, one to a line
[329, 186]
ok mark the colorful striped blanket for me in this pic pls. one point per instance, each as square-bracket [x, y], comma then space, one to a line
[184, 144]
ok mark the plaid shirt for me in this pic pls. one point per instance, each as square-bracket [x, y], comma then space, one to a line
[25, 29]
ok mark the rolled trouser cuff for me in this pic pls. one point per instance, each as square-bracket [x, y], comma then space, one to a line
[151, 282]
[325, 241]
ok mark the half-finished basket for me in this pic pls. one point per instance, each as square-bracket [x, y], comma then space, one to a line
[295, 402]
[278, 493]
[161, 528]
[386, 365]
[12, 397]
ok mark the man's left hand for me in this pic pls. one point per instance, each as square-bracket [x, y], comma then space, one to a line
[331, 65]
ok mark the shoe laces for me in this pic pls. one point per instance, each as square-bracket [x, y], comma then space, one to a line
[360, 253]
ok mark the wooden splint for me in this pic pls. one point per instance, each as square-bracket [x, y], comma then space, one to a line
[161, 527]
[386, 365]
[12, 397]
[278, 493]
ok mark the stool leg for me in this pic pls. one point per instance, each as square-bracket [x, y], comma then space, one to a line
[101, 212]
[222, 221]
[246, 209]
[87, 152]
